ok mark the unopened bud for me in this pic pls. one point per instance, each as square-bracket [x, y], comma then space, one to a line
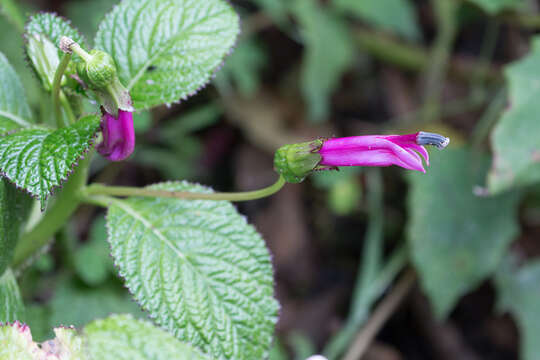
[296, 161]
[99, 71]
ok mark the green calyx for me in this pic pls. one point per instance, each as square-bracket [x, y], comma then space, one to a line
[296, 161]
[98, 71]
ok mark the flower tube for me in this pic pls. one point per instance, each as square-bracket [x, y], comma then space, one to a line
[296, 161]
[118, 136]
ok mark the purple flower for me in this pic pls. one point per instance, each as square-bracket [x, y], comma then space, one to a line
[379, 150]
[118, 136]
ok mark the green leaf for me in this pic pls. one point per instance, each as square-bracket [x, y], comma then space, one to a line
[43, 33]
[167, 49]
[17, 343]
[14, 110]
[457, 239]
[496, 6]
[120, 337]
[328, 54]
[199, 269]
[14, 208]
[39, 160]
[67, 345]
[11, 305]
[397, 16]
[515, 140]
[518, 292]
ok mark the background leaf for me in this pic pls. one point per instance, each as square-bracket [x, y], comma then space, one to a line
[91, 260]
[518, 292]
[396, 16]
[329, 52]
[495, 6]
[11, 305]
[14, 208]
[457, 239]
[166, 50]
[39, 159]
[121, 337]
[515, 140]
[199, 269]
[14, 110]
[77, 305]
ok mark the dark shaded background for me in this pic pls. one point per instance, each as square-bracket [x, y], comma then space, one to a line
[225, 137]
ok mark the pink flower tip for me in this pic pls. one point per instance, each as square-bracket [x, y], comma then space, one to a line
[118, 136]
[406, 151]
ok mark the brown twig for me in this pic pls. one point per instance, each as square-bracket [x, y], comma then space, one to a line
[381, 314]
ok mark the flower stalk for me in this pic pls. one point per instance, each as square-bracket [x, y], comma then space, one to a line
[94, 190]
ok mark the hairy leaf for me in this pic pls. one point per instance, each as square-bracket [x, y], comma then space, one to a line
[329, 52]
[14, 208]
[397, 16]
[457, 239]
[167, 49]
[14, 109]
[11, 305]
[495, 6]
[518, 292]
[43, 33]
[17, 343]
[515, 140]
[39, 159]
[121, 337]
[199, 269]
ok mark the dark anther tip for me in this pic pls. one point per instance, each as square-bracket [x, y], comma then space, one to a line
[426, 138]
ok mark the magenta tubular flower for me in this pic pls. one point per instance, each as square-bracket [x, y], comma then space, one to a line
[118, 136]
[380, 150]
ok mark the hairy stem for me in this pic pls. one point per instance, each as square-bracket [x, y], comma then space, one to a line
[65, 204]
[100, 189]
[56, 93]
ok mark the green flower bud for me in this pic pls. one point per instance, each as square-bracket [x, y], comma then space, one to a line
[296, 161]
[99, 71]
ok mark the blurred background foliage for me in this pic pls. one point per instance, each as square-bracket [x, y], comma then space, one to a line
[380, 263]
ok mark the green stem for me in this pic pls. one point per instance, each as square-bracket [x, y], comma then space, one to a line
[100, 189]
[66, 203]
[57, 82]
[488, 119]
[363, 302]
[373, 243]
[413, 57]
[445, 11]
[77, 49]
